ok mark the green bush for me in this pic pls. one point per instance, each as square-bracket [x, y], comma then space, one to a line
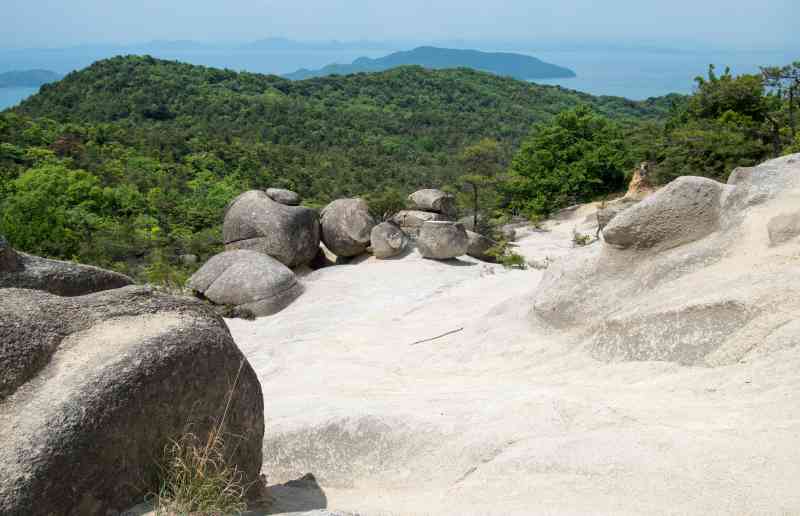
[571, 159]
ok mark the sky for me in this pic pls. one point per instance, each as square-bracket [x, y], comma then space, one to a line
[735, 24]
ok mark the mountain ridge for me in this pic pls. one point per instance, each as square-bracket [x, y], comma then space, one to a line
[27, 78]
[504, 64]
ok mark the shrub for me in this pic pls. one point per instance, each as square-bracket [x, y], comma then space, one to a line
[506, 256]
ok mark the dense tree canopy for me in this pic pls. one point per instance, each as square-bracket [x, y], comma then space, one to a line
[130, 163]
[144, 154]
[576, 156]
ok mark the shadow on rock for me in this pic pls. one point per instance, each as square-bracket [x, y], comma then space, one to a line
[303, 494]
[457, 262]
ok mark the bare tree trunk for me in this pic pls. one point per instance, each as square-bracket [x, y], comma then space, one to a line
[475, 208]
[776, 137]
[791, 109]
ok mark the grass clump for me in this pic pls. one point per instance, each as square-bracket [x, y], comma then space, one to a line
[197, 476]
[580, 240]
[506, 256]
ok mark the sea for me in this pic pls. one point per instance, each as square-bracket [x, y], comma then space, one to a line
[634, 74]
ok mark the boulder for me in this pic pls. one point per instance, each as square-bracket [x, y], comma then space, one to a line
[508, 233]
[290, 234]
[411, 221]
[346, 227]
[685, 210]
[478, 245]
[388, 240]
[248, 280]
[442, 240]
[21, 270]
[436, 201]
[93, 388]
[783, 228]
[283, 196]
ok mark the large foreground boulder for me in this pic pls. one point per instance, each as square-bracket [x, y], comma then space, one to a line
[346, 227]
[247, 280]
[388, 240]
[253, 221]
[93, 388]
[434, 200]
[442, 240]
[20, 270]
[685, 210]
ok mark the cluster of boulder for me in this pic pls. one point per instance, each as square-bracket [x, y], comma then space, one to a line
[268, 237]
[429, 205]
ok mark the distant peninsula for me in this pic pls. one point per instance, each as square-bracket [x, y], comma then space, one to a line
[27, 78]
[504, 64]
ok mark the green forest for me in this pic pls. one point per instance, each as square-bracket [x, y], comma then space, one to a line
[129, 164]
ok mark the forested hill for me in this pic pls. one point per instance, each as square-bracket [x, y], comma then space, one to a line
[130, 162]
[518, 66]
[148, 89]
[346, 135]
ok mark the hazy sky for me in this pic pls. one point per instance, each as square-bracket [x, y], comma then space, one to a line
[742, 24]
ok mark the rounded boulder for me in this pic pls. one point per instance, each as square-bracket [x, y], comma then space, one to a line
[247, 280]
[283, 196]
[685, 210]
[347, 227]
[442, 240]
[254, 221]
[388, 240]
[433, 200]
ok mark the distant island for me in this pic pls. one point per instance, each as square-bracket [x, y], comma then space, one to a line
[504, 64]
[27, 78]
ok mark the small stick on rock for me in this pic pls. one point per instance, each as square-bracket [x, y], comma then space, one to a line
[437, 337]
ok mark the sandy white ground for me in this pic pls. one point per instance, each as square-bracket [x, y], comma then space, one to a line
[503, 417]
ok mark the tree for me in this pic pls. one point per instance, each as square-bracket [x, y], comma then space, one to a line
[784, 81]
[52, 210]
[577, 156]
[481, 163]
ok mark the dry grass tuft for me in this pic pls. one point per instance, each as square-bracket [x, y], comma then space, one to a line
[197, 477]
